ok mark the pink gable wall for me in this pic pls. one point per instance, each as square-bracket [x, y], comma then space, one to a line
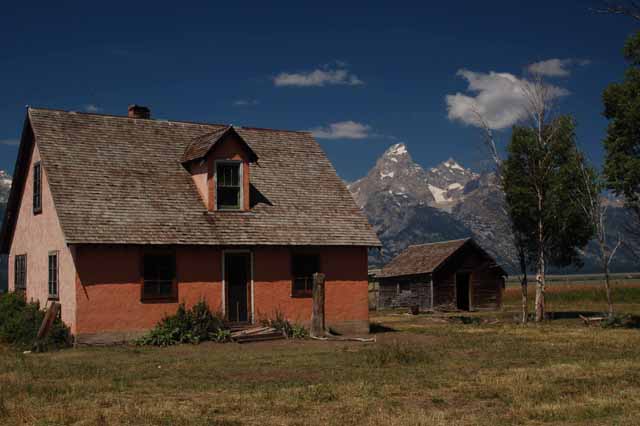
[36, 236]
[199, 174]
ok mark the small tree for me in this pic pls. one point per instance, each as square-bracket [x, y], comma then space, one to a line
[595, 209]
[622, 144]
[518, 239]
[541, 179]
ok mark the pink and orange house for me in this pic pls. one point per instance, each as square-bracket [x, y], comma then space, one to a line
[121, 218]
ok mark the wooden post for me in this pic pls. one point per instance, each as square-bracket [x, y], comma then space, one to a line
[47, 323]
[317, 316]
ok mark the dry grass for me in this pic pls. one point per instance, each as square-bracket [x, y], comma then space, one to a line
[430, 371]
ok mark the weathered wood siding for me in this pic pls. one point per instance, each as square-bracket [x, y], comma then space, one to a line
[404, 292]
[486, 285]
[444, 287]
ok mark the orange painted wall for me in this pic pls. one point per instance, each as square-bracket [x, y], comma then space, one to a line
[108, 286]
[346, 294]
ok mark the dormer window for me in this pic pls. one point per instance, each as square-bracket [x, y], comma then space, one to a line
[228, 185]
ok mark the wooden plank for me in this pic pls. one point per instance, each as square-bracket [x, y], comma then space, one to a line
[47, 324]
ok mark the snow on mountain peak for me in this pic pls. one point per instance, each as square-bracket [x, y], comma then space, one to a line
[396, 150]
[453, 164]
[5, 179]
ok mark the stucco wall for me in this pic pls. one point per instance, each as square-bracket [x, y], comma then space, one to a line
[37, 235]
[199, 172]
[109, 288]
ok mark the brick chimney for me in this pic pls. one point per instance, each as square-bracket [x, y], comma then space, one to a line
[139, 111]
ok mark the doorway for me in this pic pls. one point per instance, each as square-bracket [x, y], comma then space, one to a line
[462, 290]
[237, 277]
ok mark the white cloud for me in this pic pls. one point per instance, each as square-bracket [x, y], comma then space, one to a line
[556, 67]
[92, 108]
[342, 130]
[326, 76]
[10, 142]
[245, 102]
[497, 97]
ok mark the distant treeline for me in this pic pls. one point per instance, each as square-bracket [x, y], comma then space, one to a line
[579, 278]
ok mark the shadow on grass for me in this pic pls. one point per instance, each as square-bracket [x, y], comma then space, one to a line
[376, 328]
[562, 315]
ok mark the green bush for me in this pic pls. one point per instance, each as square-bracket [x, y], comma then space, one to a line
[194, 325]
[622, 321]
[281, 324]
[299, 332]
[20, 321]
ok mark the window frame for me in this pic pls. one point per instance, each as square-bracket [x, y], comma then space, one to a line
[37, 188]
[240, 164]
[22, 275]
[56, 277]
[308, 292]
[171, 298]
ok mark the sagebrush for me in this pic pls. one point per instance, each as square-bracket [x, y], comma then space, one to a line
[194, 325]
[20, 321]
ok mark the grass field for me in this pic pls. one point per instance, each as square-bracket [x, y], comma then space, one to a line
[423, 370]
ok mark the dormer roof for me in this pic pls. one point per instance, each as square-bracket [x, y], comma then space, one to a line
[200, 146]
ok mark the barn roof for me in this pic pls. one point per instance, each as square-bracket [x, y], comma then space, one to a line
[119, 180]
[425, 258]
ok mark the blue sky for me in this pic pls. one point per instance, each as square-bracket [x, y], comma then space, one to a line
[380, 70]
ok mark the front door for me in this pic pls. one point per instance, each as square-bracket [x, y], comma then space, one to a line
[462, 291]
[237, 268]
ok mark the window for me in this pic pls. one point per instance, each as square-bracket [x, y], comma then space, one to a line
[37, 188]
[229, 191]
[159, 280]
[304, 266]
[53, 275]
[20, 273]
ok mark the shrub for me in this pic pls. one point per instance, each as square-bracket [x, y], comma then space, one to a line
[194, 325]
[622, 321]
[299, 332]
[281, 324]
[20, 321]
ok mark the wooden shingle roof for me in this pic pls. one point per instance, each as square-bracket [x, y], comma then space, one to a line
[120, 180]
[421, 259]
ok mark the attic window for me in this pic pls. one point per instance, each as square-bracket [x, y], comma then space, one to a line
[228, 185]
[37, 188]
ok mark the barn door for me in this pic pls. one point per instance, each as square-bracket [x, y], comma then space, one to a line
[462, 290]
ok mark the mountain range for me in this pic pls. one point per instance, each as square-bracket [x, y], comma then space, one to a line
[407, 205]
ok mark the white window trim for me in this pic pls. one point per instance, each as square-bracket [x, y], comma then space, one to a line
[215, 184]
[57, 295]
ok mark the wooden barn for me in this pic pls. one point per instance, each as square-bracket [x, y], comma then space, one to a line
[446, 275]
